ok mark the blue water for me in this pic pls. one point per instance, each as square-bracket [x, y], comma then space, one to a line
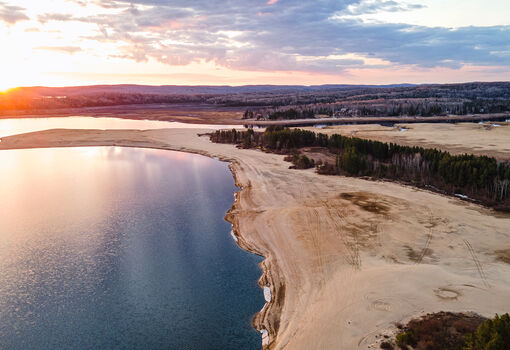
[118, 248]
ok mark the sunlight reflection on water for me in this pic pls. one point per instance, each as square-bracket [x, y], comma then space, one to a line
[110, 248]
[23, 125]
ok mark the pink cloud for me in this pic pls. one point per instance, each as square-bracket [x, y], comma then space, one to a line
[272, 2]
[167, 25]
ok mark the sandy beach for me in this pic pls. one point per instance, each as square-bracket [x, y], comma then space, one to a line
[489, 138]
[346, 258]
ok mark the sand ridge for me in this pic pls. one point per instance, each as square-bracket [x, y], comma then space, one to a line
[346, 258]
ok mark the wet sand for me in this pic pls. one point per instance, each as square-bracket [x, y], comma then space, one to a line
[346, 258]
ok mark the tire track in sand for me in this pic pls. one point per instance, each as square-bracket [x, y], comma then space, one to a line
[354, 258]
[477, 262]
[313, 223]
[428, 241]
[425, 248]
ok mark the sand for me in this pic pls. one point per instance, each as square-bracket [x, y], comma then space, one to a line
[346, 258]
[491, 139]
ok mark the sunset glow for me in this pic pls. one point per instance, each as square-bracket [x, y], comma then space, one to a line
[71, 42]
[254, 174]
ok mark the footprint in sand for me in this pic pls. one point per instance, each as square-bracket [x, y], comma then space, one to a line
[447, 293]
[381, 305]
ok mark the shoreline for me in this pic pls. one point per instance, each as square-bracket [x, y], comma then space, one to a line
[225, 115]
[260, 320]
[340, 258]
[184, 113]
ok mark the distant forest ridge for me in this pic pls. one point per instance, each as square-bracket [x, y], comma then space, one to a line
[184, 89]
[276, 102]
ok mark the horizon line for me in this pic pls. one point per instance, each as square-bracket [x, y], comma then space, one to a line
[254, 85]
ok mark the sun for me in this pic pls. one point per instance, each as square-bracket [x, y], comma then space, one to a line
[6, 87]
[8, 90]
[22, 76]
[11, 78]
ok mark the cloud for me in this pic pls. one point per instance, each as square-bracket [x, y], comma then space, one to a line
[65, 49]
[375, 6]
[55, 17]
[12, 14]
[293, 36]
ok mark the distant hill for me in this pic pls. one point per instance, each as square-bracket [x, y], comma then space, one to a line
[185, 89]
[278, 101]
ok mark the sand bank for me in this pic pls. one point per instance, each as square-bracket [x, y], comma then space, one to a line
[345, 258]
[491, 139]
[499, 117]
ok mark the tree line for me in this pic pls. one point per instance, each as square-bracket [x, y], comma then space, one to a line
[480, 178]
[390, 108]
[10, 102]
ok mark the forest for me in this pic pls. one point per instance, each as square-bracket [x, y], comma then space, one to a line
[447, 330]
[387, 108]
[479, 178]
[275, 102]
[419, 100]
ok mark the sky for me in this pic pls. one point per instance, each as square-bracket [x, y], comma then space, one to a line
[238, 42]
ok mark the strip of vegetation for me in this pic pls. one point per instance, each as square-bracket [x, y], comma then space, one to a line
[389, 109]
[479, 178]
[397, 101]
[450, 331]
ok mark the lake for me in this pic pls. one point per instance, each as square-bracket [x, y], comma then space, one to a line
[121, 248]
[23, 125]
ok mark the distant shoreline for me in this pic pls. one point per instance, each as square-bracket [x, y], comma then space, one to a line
[185, 113]
[221, 115]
